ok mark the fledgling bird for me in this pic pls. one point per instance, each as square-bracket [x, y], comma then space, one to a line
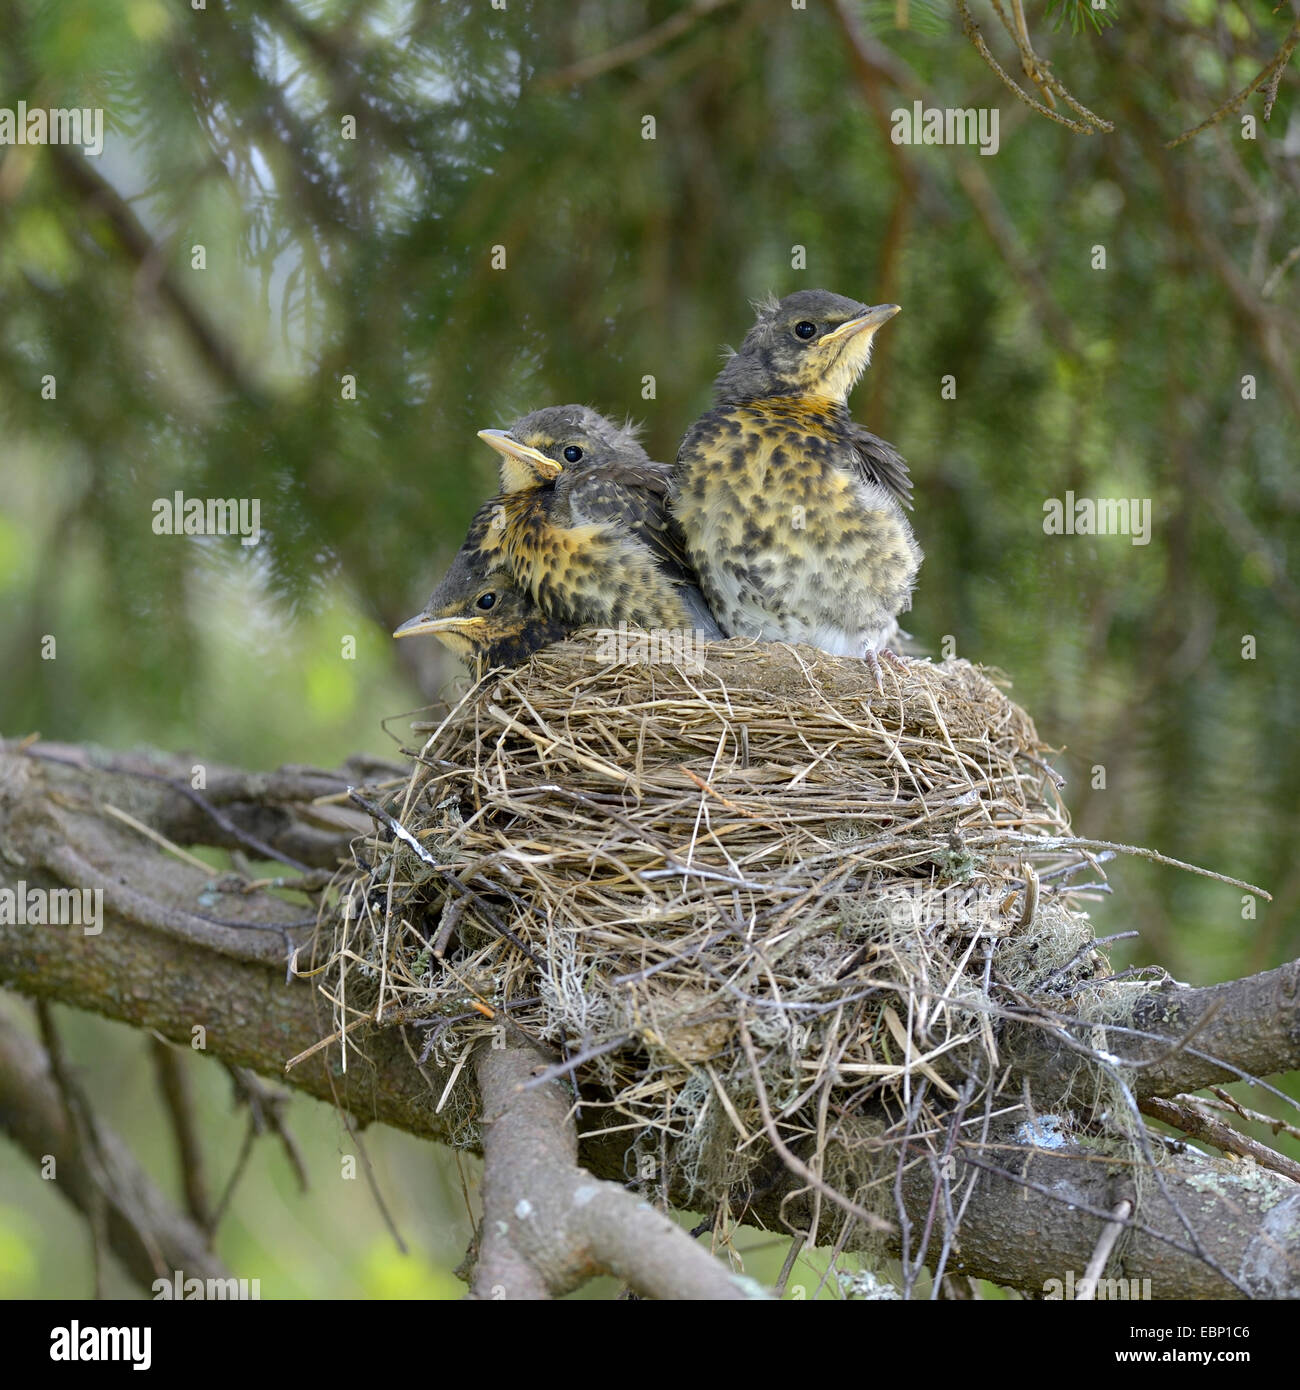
[479, 612]
[584, 524]
[792, 512]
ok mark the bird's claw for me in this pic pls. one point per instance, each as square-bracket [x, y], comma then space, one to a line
[873, 660]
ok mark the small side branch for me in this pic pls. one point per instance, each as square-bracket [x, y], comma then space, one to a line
[174, 1086]
[1090, 124]
[634, 49]
[1186, 1115]
[1268, 78]
[548, 1225]
[150, 1238]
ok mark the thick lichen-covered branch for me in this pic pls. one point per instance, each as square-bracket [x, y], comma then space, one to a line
[155, 976]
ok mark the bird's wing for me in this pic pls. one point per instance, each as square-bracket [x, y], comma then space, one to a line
[879, 462]
[699, 612]
[633, 496]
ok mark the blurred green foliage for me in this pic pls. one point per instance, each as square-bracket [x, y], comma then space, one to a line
[629, 258]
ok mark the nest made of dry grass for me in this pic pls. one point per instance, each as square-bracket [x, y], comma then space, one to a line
[739, 897]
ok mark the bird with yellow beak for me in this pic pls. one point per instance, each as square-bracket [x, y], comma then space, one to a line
[478, 611]
[584, 525]
[791, 511]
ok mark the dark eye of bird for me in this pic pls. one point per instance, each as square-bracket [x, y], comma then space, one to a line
[805, 330]
[486, 601]
[572, 453]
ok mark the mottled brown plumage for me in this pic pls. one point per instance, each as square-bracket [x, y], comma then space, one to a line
[792, 512]
[478, 611]
[584, 525]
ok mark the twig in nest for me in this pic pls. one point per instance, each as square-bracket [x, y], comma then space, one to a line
[1141, 852]
[943, 1173]
[570, 1064]
[1086, 949]
[1110, 1233]
[451, 914]
[796, 1165]
[403, 834]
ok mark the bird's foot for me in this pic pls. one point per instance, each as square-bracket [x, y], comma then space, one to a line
[873, 660]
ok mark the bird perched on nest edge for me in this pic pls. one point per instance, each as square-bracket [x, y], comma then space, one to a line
[584, 525]
[792, 512]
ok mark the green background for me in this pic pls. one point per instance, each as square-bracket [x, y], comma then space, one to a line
[629, 258]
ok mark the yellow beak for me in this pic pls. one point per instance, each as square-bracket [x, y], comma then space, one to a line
[422, 624]
[522, 466]
[872, 320]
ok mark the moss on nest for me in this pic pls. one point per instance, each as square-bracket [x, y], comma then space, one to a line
[739, 897]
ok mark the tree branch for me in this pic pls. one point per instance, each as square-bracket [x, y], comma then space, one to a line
[173, 977]
[144, 1231]
[95, 191]
[1267, 78]
[548, 1225]
[174, 1086]
[1251, 1024]
[873, 66]
[1191, 1119]
[634, 49]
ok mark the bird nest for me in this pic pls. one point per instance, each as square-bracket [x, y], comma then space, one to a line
[739, 897]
